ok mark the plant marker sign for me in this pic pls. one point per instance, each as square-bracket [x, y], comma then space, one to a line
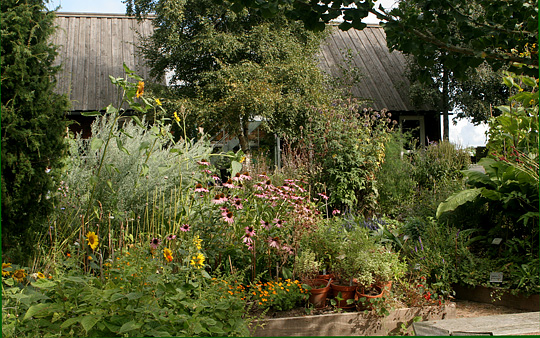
[496, 277]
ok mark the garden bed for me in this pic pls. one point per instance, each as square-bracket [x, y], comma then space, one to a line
[500, 297]
[352, 323]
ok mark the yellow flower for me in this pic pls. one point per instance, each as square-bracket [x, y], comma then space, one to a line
[198, 260]
[40, 275]
[140, 89]
[176, 117]
[92, 239]
[242, 159]
[167, 253]
[4, 267]
[197, 241]
[19, 275]
[158, 102]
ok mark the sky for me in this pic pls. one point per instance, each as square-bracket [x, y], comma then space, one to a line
[463, 134]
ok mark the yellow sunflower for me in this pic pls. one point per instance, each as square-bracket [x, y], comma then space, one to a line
[4, 267]
[140, 89]
[19, 275]
[197, 241]
[40, 275]
[92, 239]
[198, 260]
[167, 254]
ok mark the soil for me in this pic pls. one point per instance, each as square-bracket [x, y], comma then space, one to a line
[465, 308]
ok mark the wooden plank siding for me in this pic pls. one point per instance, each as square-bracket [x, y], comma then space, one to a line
[383, 81]
[90, 48]
[94, 46]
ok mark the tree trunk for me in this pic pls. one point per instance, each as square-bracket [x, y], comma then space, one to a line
[445, 99]
[243, 137]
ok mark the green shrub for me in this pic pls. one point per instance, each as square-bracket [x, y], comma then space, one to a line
[33, 125]
[395, 181]
[348, 147]
[139, 294]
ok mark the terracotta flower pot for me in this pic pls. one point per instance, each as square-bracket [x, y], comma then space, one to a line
[361, 293]
[318, 293]
[386, 287]
[347, 292]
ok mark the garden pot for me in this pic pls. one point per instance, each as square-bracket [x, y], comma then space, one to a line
[376, 292]
[318, 293]
[347, 292]
[327, 277]
[386, 287]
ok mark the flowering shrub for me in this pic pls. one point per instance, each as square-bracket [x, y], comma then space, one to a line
[138, 294]
[348, 145]
[281, 295]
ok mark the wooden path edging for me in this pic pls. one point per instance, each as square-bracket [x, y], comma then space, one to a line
[482, 294]
[351, 323]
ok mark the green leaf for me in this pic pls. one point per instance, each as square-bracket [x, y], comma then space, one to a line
[458, 199]
[89, 321]
[111, 109]
[96, 143]
[137, 121]
[43, 284]
[42, 309]
[93, 113]
[129, 326]
[116, 297]
[69, 322]
[109, 183]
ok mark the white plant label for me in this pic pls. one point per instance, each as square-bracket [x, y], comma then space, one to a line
[496, 241]
[496, 277]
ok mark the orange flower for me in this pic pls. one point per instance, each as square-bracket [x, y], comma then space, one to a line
[140, 89]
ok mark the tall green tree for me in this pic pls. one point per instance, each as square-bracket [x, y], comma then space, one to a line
[496, 31]
[234, 66]
[33, 127]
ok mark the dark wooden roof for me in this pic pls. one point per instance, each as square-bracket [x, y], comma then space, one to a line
[92, 47]
[383, 78]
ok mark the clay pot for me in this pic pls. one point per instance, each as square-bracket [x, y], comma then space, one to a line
[376, 292]
[318, 292]
[347, 292]
[386, 287]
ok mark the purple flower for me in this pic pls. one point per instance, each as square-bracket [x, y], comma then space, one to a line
[171, 237]
[155, 242]
[185, 227]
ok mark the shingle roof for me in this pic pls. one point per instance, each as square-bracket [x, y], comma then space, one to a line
[91, 47]
[383, 77]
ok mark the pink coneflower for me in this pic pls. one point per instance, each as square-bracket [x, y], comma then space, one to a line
[278, 222]
[171, 237]
[216, 178]
[245, 176]
[203, 162]
[263, 176]
[336, 212]
[250, 231]
[236, 177]
[219, 199]
[185, 227]
[273, 242]
[237, 202]
[155, 242]
[228, 217]
[266, 225]
[207, 171]
[287, 249]
[200, 188]
[229, 184]
[248, 242]
[323, 196]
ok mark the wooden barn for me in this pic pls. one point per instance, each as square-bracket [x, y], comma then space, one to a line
[383, 83]
[94, 46]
